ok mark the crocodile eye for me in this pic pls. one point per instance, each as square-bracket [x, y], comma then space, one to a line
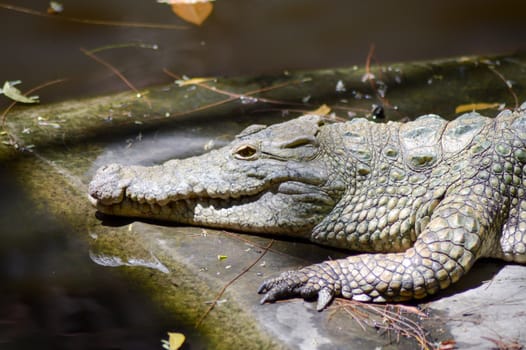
[246, 152]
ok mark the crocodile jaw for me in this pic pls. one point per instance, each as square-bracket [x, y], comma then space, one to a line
[247, 214]
[280, 204]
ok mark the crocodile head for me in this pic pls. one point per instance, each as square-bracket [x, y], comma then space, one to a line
[274, 179]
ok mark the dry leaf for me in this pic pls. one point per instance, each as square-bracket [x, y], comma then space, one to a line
[195, 12]
[193, 81]
[13, 93]
[447, 345]
[475, 107]
[176, 340]
[322, 110]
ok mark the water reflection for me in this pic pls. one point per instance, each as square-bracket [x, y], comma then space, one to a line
[54, 297]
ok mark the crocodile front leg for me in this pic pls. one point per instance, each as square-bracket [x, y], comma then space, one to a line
[442, 254]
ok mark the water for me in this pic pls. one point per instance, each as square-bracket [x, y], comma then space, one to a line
[53, 297]
[243, 38]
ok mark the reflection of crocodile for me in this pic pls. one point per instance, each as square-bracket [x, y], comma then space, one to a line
[428, 197]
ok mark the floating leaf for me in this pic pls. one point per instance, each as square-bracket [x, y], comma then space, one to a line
[322, 110]
[367, 77]
[475, 107]
[176, 340]
[193, 11]
[13, 93]
[193, 81]
[55, 7]
[222, 257]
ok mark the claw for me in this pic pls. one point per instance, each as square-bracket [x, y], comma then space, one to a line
[263, 288]
[266, 298]
[325, 296]
[297, 283]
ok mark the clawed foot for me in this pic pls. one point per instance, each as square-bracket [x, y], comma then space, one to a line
[305, 284]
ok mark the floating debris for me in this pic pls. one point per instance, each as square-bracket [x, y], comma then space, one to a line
[367, 77]
[42, 122]
[248, 99]
[322, 110]
[13, 93]
[55, 8]
[470, 107]
[340, 87]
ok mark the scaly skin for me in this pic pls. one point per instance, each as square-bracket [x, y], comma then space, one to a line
[424, 199]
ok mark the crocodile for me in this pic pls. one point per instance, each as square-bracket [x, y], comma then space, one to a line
[420, 201]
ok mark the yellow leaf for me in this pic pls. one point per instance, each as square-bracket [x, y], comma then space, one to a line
[9, 90]
[176, 340]
[322, 110]
[195, 13]
[193, 81]
[222, 257]
[475, 107]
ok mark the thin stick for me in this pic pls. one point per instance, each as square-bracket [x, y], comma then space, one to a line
[249, 242]
[372, 81]
[125, 45]
[29, 11]
[233, 97]
[497, 73]
[245, 270]
[117, 73]
[368, 63]
[392, 319]
[245, 94]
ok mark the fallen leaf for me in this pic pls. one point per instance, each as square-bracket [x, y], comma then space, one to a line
[447, 345]
[13, 93]
[192, 11]
[176, 340]
[475, 107]
[322, 110]
[55, 7]
[193, 81]
[367, 77]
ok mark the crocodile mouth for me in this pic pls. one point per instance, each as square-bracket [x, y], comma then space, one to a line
[237, 211]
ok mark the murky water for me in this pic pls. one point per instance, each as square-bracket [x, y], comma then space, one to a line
[244, 37]
[53, 297]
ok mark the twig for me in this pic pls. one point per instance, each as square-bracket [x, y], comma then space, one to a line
[233, 96]
[368, 60]
[372, 80]
[125, 45]
[214, 303]
[117, 73]
[391, 319]
[236, 96]
[508, 85]
[29, 11]
[502, 344]
[247, 241]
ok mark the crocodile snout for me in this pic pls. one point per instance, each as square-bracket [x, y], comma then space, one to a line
[108, 186]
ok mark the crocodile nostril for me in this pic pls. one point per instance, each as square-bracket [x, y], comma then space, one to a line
[107, 186]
